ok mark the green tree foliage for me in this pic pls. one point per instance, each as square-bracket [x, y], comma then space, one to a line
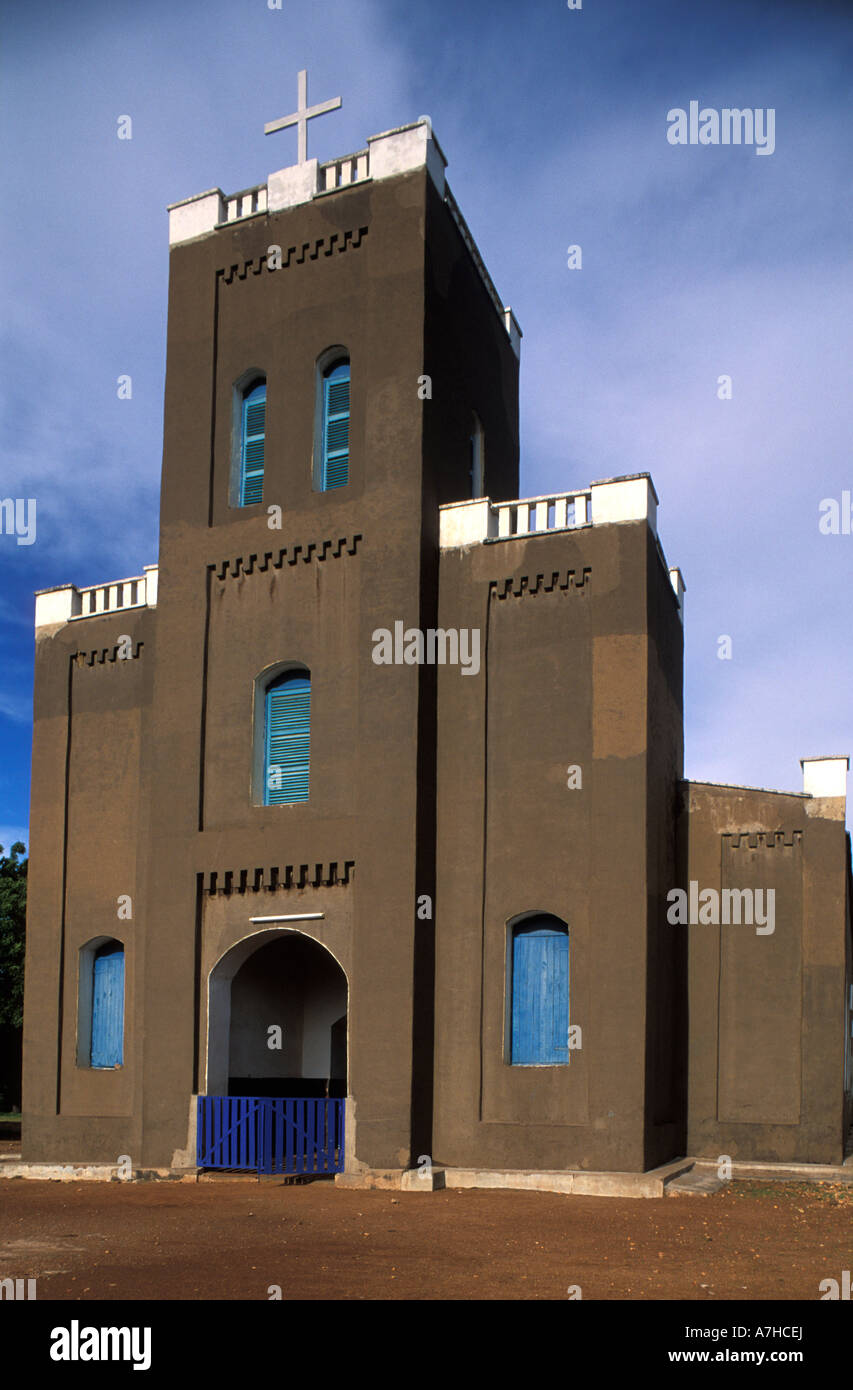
[13, 916]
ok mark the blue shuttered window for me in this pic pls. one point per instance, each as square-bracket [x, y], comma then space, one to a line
[253, 429]
[540, 993]
[108, 1006]
[336, 384]
[288, 736]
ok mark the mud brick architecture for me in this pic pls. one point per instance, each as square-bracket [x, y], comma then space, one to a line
[448, 890]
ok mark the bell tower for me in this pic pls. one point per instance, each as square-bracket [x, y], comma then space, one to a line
[334, 346]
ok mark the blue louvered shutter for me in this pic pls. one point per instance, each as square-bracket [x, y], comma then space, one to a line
[336, 385]
[540, 996]
[252, 461]
[108, 1007]
[288, 736]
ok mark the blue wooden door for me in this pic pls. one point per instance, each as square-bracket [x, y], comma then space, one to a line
[540, 995]
[108, 1007]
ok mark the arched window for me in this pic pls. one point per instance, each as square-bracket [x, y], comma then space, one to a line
[332, 446]
[475, 454]
[287, 737]
[253, 410]
[107, 994]
[539, 992]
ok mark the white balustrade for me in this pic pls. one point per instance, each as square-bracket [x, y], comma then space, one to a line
[631, 498]
[246, 203]
[108, 598]
[67, 603]
[338, 173]
[530, 515]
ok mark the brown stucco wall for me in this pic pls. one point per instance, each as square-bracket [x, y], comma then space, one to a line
[352, 564]
[425, 783]
[666, 970]
[472, 367]
[567, 678]
[91, 727]
[767, 1010]
[236, 596]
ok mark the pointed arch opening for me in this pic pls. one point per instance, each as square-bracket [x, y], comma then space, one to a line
[277, 1019]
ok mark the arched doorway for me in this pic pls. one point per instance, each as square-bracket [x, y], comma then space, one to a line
[277, 1023]
[276, 1058]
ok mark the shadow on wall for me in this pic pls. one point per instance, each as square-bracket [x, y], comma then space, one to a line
[11, 1052]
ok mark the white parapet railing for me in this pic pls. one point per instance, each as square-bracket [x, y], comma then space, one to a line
[105, 598]
[245, 203]
[529, 515]
[67, 603]
[337, 173]
[631, 498]
[467, 523]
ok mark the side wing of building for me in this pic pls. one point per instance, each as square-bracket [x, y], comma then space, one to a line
[91, 739]
[767, 878]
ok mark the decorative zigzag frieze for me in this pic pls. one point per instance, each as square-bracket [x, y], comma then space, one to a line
[289, 554]
[295, 255]
[519, 585]
[335, 874]
[101, 656]
[764, 839]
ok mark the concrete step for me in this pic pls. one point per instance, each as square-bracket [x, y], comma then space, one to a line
[698, 1182]
[704, 1169]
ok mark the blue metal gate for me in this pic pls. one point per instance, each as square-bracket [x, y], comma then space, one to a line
[270, 1135]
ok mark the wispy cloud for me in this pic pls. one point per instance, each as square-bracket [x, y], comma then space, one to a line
[696, 262]
[15, 706]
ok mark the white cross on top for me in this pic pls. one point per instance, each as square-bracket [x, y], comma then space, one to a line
[302, 115]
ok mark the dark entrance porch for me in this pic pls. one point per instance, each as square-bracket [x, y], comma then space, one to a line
[277, 1058]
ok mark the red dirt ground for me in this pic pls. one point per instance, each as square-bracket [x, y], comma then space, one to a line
[233, 1239]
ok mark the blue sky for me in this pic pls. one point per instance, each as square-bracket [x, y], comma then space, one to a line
[698, 261]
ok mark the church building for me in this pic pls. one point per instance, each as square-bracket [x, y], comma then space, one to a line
[360, 840]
